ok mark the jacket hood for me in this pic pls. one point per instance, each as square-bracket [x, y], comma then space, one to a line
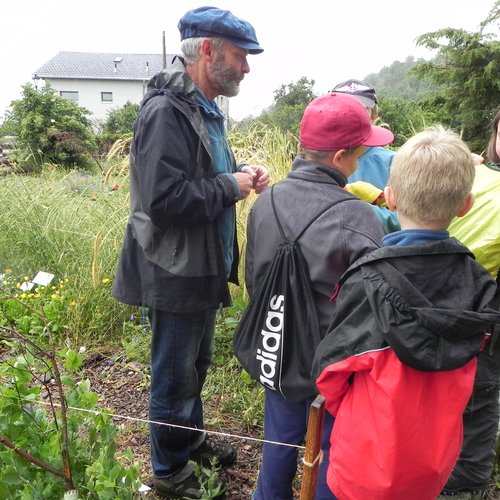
[174, 78]
[428, 331]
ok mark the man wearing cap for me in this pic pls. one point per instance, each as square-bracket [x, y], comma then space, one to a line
[334, 132]
[180, 245]
[374, 165]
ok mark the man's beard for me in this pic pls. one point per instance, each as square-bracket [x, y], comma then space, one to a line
[225, 79]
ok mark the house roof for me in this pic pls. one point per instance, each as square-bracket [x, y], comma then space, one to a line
[102, 66]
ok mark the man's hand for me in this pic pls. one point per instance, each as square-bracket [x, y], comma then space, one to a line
[260, 176]
[245, 183]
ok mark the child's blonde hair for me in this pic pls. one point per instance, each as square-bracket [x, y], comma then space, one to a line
[431, 176]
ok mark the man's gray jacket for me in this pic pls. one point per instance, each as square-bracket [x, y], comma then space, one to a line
[172, 255]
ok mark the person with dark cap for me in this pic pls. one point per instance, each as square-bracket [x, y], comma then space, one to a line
[180, 246]
[334, 132]
[370, 178]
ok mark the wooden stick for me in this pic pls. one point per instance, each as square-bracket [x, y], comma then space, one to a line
[313, 455]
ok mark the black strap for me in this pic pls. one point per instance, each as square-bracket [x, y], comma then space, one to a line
[495, 303]
[310, 222]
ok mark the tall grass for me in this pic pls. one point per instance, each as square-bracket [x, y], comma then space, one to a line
[71, 226]
[260, 145]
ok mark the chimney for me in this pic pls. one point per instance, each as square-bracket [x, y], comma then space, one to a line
[164, 52]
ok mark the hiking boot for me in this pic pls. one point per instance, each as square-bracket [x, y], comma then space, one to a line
[224, 453]
[184, 484]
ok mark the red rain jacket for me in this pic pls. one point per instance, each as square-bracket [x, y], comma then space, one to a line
[397, 368]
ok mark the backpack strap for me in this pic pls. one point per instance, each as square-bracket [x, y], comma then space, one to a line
[276, 214]
[311, 221]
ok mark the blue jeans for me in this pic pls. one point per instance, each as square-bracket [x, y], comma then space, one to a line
[181, 352]
[286, 422]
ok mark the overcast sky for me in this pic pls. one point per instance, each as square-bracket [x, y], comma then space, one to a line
[325, 40]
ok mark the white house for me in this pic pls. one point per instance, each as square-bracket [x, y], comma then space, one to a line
[101, 81]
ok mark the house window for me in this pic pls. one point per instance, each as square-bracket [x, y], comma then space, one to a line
[71, 95]
[106, 96]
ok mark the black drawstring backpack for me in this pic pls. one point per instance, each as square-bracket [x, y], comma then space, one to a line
[277, 337]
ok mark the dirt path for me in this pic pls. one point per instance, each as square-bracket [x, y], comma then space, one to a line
[123, 389]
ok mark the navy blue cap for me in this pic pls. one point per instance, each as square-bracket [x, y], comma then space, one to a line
[214, 22]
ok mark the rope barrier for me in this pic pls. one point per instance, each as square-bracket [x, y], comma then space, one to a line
[319, 458]
[146, 421]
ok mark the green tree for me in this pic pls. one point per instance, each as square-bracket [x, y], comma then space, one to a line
[289, 104]
[394, 80]
[121, 120]
[405, 117]
[466, 71]
[49, 128]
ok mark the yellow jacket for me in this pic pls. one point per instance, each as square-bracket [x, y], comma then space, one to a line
[479, 229]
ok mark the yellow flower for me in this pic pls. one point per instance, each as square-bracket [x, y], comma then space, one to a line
[105, 281]
[73, 303]
[7, 270]
[54, 296]
[18, 285]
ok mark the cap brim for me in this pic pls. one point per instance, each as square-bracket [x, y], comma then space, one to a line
[367, 102]
[379, 137]
[252, 47]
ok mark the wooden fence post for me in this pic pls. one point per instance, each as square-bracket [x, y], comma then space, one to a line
[312, 455]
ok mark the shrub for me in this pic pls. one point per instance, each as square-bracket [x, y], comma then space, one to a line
[121, 120]
[106, 142]
[50, 129]
[53, 439]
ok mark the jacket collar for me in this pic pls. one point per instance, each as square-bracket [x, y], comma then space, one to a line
[312, 171]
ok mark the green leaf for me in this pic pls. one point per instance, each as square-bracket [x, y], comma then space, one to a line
[9, 476]
[73, 361]
[68, 381]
